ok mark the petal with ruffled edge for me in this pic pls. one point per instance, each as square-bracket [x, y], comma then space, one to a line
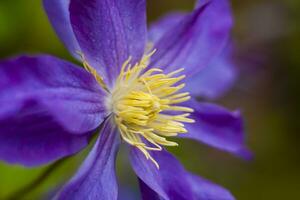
[108, 32]
[217, 127]
[96, 178]
[172, 181]
[214, 80]
[43, 100]
[192, 40]
[59, 16]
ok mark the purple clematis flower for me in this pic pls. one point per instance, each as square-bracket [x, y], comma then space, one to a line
[131, 86]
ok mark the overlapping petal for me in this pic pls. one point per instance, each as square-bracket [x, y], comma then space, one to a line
[96, 177]
[214, 80]
[59, 16]
[172, 181]
[67, 93]
[217, 127]
[44, 101]
[109, 31]
[192, 40]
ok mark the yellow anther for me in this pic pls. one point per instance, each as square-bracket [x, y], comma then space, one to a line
[139, 100]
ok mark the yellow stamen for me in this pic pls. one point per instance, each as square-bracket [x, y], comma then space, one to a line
[139, 100]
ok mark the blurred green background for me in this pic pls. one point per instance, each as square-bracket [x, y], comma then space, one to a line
[267, 38]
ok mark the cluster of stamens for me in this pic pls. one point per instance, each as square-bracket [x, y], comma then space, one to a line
[143, 103]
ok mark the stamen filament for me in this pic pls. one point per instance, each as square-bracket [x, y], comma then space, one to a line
[94, 72]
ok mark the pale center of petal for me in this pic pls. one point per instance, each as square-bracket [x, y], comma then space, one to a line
[143, 102]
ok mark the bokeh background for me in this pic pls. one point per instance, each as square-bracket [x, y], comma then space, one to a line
[267, 39]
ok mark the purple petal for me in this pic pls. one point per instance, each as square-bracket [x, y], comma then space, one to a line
[59, 16]
[32, 137]
[206, 190]
[165, 24]
[217, 127]
[147, 193]
[43, 101]
[202, 190]
[57, 88]
[214, 80]
[172, 181]
[169, 182]
[109, 31]
[96, 178]
[192, 40]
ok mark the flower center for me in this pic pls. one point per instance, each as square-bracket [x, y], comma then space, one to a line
[144, 106]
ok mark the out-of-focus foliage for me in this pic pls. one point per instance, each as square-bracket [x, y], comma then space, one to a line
[267, 42]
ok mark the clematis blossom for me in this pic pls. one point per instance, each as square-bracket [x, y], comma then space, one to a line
[138, 85]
